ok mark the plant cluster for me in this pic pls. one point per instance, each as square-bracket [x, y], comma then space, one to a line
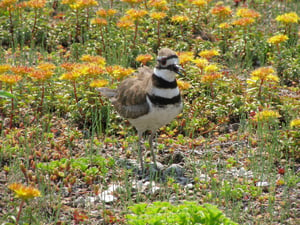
[240, 94]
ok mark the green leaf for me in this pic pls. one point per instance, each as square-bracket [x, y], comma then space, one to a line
[5, 94]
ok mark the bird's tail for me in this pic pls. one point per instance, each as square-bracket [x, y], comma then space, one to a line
[107, 92]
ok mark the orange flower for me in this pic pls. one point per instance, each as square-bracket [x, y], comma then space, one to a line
[144, 58]
[136, 14]
[179, 19]
[106, 13]
[99, 21]
[210, 78]
[7, 4]
[41, 75]
[208, 54]
[94, 70]
[249, 13]
[221, 11]
[10, 78]
[36, 4]
[224, 26]
[262, 73]
[21, 70]
[125, 22]
[24, 192]
[118, 71]
[44, 66]
[4, 68]
[98, 83]
[158, 15]
[243, 22]
[159, 4]
[93, 59]
[68, 66]
[183, 85]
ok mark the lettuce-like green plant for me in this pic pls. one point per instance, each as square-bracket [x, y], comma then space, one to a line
[188, 213]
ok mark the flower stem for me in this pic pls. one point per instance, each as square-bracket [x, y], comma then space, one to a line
[11, 30]
[20, 210]
[40, 108]
[12, 109]
[76, 98]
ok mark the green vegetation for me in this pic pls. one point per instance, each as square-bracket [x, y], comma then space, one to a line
[68, 158]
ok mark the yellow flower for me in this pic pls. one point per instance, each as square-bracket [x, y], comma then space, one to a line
[295, 123]
[179, 19]
[221, 11]
[185, 57]
[158, 4]
[136, 14]
[111, 12]
[183, 85]
[224, 25]
[158, 15]
[118, 71]
[106, 13]
[291, 17]
[44, 66]
[94, 70]
[210, 78]
[132, 1]
[68, 66]
[21, 70]
[208, 54]
[36, 4]
[125, 22]
[4, 68]
[263, 73]
[247, 13]
[40, 74]
[10, 78]
[7, 4]
[68, 76]
[199, 3]
[98, 83]
[93, 59]
[81, 4]
[243, 22]
[24, 192]
[266, 115]
[201, 62]
[144, 58]
[99, 21]
[277, 39]
[211, 68]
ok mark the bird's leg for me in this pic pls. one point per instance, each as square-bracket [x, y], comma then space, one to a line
[151, 147]
[140, 149]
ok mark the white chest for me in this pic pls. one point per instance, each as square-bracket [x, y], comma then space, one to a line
[157, 117]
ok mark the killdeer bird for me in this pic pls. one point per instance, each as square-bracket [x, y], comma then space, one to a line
[151, 99]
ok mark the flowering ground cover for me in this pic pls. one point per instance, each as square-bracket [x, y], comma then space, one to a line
[66, 157]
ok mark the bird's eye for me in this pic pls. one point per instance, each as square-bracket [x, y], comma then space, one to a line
[163, 61]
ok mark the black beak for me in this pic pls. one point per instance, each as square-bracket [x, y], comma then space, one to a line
[178, 69]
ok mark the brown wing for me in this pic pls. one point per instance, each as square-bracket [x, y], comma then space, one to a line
[130, 101]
